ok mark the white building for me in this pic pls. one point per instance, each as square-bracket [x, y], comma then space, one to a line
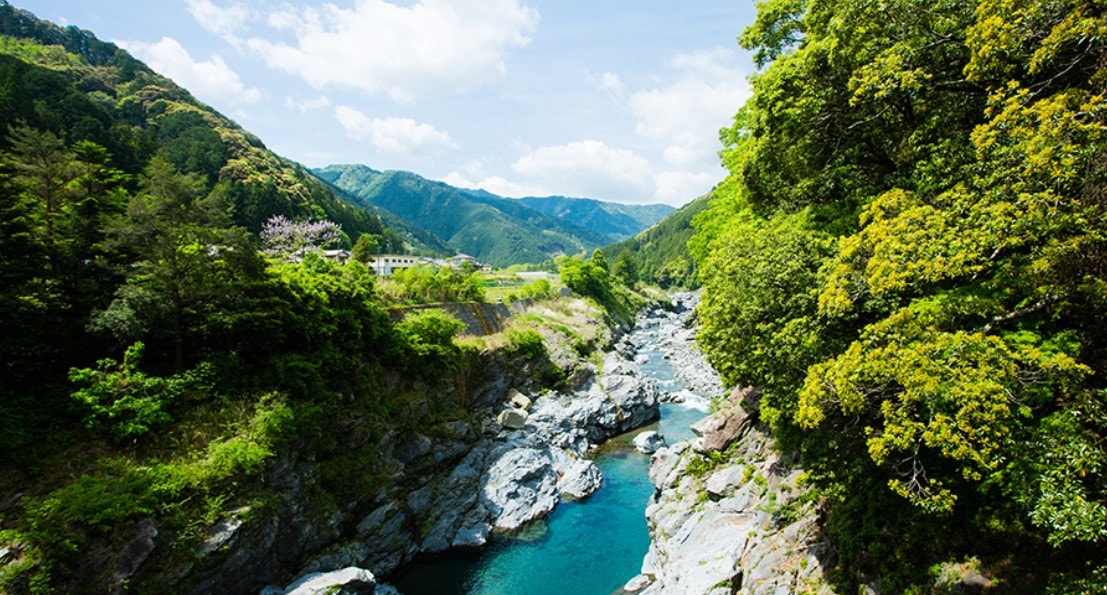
[385, 264]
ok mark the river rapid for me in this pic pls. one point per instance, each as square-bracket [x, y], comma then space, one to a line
[591, 546]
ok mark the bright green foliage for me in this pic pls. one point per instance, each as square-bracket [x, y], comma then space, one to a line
[128, 401]
[660, 253]
[600, 260]
[909, 257]
[768, 312]
[625, 268]
[426, 285]
[429, 332]
[527, 341]
[365, 247]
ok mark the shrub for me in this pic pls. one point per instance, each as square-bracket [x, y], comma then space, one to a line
[430, 331]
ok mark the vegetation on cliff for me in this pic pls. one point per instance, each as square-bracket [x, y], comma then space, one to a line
[908, 257]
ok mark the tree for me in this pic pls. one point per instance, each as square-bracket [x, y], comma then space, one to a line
[625, 268]
[599, 259]
[185, 250]
[44, 167]
[906, 257]
[365, 247]
[284, 237]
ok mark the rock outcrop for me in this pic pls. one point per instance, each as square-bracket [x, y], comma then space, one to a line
[733, 527]
[649, 442]
[726, 516]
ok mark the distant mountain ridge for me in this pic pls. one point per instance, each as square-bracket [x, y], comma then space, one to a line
[501, 231]
[615, 220]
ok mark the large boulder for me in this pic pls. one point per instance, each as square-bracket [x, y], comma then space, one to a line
[649, 442]
[513, 418]
[347, 581]
[580, 480]
[720, 429]
[519, 486]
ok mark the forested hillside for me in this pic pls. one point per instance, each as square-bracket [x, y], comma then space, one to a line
[909, 258]
[660, 255]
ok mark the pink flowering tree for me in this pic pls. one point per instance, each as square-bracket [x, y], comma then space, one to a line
[283, 236]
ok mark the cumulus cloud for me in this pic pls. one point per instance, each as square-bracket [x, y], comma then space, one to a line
[211, 80]
[375, 46]
[220, 20]
[677, 187]
[589, 168]
[397, 136]
[688, 113]
[474, 174]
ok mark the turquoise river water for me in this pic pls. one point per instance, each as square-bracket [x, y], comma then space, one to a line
[588, 547]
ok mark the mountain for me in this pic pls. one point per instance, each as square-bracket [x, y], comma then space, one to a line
[617, 221]
[493, 229]
[661, 252]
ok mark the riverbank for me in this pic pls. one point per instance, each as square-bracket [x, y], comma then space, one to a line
[728, 513]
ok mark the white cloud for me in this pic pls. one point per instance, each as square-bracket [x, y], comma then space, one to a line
[494, 184]
[688, 114]
[611, 83]
[375, 46]
[590, 168]
[222, 21]
[397, 136]
[679, 187]
[308, 105]
[210, 80]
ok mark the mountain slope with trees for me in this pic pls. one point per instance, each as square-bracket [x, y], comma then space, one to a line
[908, 259]
[660, 254]
[497, 230]
[164, 344]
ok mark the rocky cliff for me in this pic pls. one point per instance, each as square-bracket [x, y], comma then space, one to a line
[729, 514]
[453, 484]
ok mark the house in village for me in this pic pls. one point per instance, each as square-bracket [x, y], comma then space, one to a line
[386, 264]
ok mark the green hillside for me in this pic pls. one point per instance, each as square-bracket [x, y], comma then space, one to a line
[66, 81]
[496, 230]
[165, 350]
[660, 254]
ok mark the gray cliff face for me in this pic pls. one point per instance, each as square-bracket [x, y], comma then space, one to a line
[452, 485]
[726, 516]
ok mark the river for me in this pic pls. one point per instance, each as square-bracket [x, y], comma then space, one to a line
[588, 547]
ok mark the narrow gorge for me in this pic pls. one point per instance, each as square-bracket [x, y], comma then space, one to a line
[558, 492]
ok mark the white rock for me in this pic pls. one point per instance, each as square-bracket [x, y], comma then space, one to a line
[513, 418]
[519, 400]
[649, 442]
[349, 580]
[580, 480]
[638, 583]
[519, 486]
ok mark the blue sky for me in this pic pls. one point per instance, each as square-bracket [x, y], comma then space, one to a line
[619, 100]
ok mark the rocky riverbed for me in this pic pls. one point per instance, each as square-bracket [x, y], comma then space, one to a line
[727, 515]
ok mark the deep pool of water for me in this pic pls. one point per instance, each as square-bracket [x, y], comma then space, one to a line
[589, 547]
